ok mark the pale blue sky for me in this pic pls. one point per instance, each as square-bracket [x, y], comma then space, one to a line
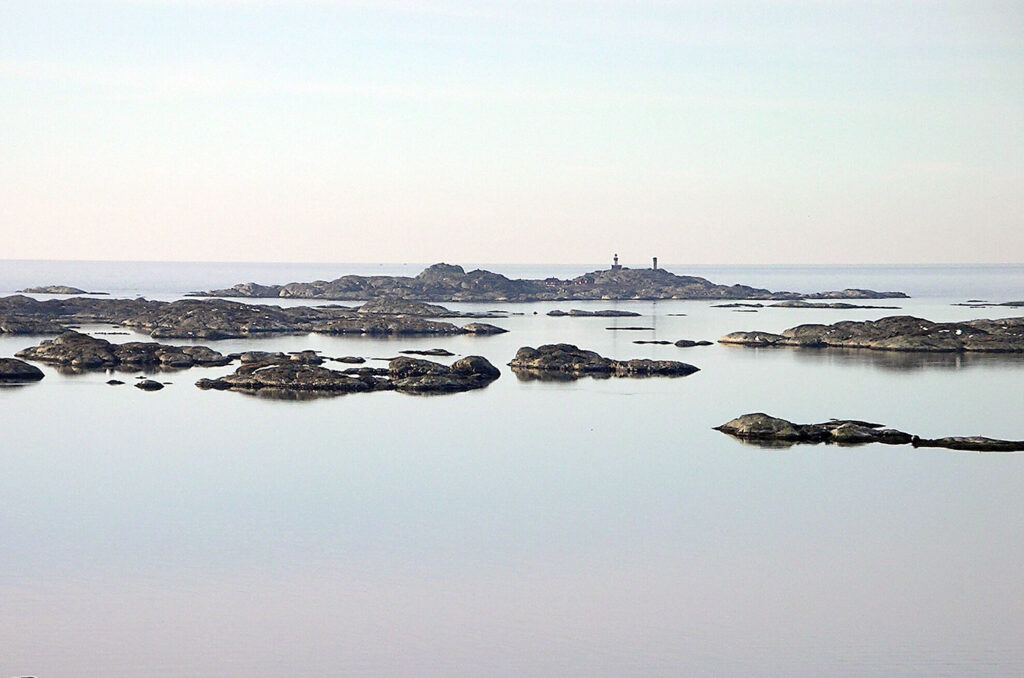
[534, 132]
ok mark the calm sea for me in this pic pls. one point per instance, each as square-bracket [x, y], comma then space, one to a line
[596, 528]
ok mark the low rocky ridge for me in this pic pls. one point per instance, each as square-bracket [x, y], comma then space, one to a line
[77, 350]
[978, 303]
[447, 282]
[796, 303]
[580, 313]
[760, 428]
[284, 376]
[896, 333]
[572, 360]
[214, 318]
[56, 289]
[398, 306]
[13, 370]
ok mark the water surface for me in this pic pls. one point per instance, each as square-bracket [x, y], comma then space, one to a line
[586, 528]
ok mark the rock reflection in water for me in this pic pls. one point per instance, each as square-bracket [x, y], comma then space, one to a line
[905, 360]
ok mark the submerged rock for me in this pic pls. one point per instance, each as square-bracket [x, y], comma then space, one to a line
[13, 370]
[762, 429]
[896, 333]
[572, 360]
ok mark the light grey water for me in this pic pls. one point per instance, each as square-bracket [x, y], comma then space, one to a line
[589, 528]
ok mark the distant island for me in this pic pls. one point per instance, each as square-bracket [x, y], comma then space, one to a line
[448, 282]
[56, 289]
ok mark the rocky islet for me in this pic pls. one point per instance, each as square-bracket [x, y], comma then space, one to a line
[896, 333]
[768, 431]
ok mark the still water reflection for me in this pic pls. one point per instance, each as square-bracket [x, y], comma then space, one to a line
[532, 528]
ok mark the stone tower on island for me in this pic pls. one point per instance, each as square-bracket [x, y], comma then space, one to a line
[615, 263]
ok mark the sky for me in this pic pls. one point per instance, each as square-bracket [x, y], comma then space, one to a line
[774, 132]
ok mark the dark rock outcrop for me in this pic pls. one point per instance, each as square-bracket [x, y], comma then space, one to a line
[762, 429]
[580, 313]
[689, 343]
[81, 351]
[447, 282]
[441, 352]
[14, 371]
[568, 359]
[796, 303]
[896, 333]
[148, 385]
[971, 443]
[287, 378]
[760, 426]
[483, 329]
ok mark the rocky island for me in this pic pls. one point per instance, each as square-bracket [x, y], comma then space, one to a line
[448, 282]
[80, 351]
[56, 289]
[896, 333]
[567, 360]
[765, 430]
[221, 319]
[301, 377]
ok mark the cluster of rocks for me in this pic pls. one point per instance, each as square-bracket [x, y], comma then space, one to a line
[80, 351]
[218, 318]
[765, 430]
[297, 376]
[896, 333]
[567, 359]
[447, 282]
